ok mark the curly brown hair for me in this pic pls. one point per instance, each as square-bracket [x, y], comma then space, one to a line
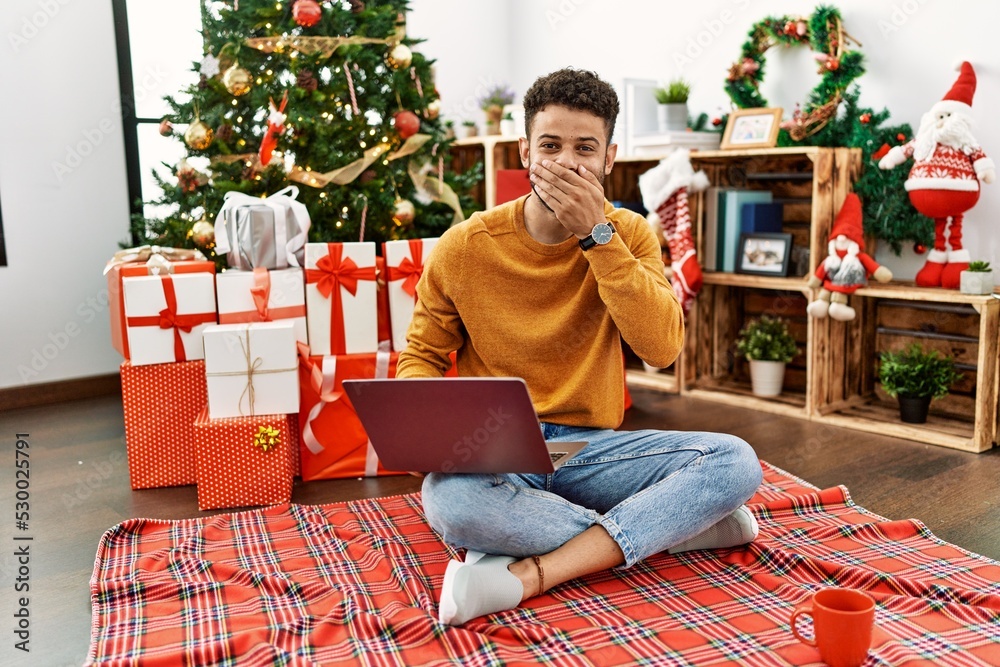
[576, 89]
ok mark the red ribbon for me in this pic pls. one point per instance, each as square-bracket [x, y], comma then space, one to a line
[410, 270]
[261, 292]
[332, 272]
[169, 319]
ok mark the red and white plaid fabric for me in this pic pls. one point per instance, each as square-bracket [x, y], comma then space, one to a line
[358, 582]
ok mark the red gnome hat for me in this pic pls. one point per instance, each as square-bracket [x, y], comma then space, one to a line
[848, 221]
[959, 98]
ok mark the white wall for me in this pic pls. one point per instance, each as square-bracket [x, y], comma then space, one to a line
[61, 89]
[62, 187]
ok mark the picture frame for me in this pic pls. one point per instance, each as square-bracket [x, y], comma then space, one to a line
[765, 254]
[752, 128]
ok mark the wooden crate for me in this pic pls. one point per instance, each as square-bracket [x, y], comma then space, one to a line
[890, 318]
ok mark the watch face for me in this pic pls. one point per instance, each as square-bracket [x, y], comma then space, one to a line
[602, 233]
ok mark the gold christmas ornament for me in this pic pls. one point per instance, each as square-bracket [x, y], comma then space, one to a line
[237, 80]
[404, 212]
[198, 135]
[433, 110]
[399, 57]
[202, 233]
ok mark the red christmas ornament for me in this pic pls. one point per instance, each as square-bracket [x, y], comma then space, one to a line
[866, 118]
[406, 123]
[900, 137]
[306, 13]
[716, 122]
[919, 248]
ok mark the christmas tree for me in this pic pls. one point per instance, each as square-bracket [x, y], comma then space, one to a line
[326, 96]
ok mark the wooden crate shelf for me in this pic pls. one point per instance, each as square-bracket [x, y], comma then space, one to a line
[835, 378]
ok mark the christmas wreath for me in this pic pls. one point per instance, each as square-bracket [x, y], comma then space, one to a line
[888, 213]
[824, 33]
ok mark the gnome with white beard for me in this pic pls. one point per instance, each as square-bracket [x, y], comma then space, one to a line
[846, 268]
[944, 180]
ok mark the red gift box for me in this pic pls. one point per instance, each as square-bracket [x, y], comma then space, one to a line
[334, 444]
[161, 402]
[244, 461]
[116, 301]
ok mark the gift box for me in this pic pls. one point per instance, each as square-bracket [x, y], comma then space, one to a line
[161, 402]
[333, 442]
[145, 261]
[341, 299]
[263, 296]
[244, 461]
[251, 369]
[262, 233]
[165, 316]
[405, 265]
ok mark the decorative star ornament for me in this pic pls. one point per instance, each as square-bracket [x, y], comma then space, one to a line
[209, 65]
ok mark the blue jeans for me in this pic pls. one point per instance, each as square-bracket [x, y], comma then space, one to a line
[649, 489]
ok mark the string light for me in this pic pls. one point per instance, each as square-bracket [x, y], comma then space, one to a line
[364, 145]
[234, 101]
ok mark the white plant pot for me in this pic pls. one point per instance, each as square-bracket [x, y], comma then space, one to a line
[469, 132]
[976, 282]
[672, 117]
[508, 128]
[767, 377]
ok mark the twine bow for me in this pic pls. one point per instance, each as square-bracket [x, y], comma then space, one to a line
[253, 367]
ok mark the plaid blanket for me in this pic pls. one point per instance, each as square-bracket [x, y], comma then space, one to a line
[357, 583]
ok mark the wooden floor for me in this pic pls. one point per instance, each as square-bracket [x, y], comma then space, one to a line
[79, 488]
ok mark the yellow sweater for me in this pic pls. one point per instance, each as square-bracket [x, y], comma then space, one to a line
[551, 314]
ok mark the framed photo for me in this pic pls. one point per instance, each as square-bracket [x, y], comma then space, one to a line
[764, 254]
[752, 128]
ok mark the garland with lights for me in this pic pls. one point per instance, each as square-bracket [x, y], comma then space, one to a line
[833, 116]
[329, 95]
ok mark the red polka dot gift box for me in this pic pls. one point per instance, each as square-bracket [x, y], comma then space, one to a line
[161, 402]
[244, 461]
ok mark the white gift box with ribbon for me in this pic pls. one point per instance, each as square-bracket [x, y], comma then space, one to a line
[165, 316]
[341, 299]
[251, 369]
[404, 262]
[267, 233]
[263, 296]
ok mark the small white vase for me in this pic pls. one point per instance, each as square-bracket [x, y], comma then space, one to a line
[672, 117]
[767, 377]
[508, 128]
[976, 282]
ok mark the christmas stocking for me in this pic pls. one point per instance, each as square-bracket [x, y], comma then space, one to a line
[675, 221]
[665, 190]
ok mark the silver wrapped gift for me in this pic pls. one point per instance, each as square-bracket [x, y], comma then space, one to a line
[266, 233]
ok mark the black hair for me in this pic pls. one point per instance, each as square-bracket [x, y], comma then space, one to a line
[575, 89]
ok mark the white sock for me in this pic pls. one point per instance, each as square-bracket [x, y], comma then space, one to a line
[738, 528]
[478, 587]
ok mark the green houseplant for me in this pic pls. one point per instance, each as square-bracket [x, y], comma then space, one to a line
[914, 376]
[672, 114]
[768, 346]
[977, 279]
[492, 102]
[469, 129]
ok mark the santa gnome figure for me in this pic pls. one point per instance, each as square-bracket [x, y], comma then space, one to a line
[944, 180]
[665, 190]
[846, 268]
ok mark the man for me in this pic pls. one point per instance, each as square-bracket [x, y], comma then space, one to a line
[544, 288]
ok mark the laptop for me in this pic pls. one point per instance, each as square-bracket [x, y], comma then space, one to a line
[468, 424]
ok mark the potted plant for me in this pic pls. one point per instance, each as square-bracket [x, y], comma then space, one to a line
[507, 126]
[493, 102]
[913, 377]
[672, 114]
[469, 129]
[449, 129]
[977, 279]
[768, 346]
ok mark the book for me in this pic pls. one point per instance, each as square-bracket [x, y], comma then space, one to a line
[710, 229]
[761, 217]
[730, 227]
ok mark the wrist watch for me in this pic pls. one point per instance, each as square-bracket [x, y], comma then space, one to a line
[600, 235]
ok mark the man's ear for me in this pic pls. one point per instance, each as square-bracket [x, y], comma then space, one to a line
[609, 159]
[524, 149]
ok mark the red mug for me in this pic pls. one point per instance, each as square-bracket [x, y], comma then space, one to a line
[842, 625]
